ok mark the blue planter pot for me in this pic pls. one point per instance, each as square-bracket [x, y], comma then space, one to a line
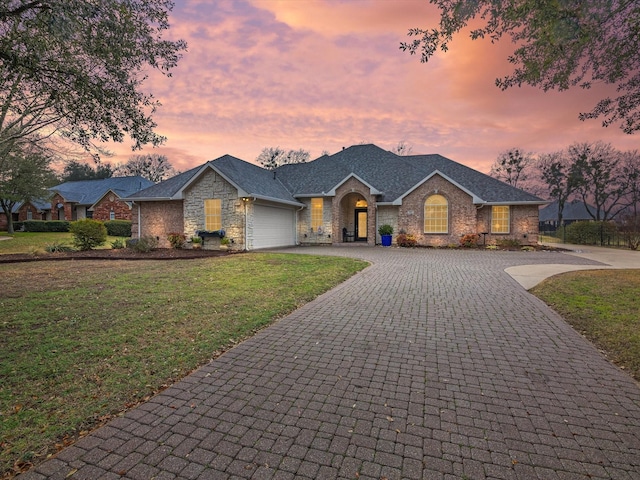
[386, 240]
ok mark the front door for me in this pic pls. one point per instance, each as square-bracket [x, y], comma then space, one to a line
[361, 225]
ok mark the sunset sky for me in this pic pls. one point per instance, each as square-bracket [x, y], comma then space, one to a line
[326, 74]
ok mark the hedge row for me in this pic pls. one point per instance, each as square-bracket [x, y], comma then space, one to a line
[115, 228]
[118, 228]
[45, 226]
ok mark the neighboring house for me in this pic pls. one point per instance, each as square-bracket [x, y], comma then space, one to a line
[573, 211]
[353, 192]
[97, 199]
[33, 210]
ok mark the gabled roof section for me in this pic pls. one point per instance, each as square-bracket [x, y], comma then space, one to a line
[88, 192]
[485, 189]
[250, 180]
[394, 176]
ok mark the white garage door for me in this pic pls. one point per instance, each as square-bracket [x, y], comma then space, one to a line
[273, 227]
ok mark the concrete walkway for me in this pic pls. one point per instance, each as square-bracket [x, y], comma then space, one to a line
[429, 364]
[607, 258]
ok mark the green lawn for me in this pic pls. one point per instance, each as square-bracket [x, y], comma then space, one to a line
[36, 242]
[603, 305]
[83, 340]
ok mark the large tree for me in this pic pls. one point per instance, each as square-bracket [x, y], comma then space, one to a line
[557, 45]
[271, 158]
[153, 167]
[512, 167]
[76, 68]
[75, 171]
[24, 177]
[560, 177]
[600, 179]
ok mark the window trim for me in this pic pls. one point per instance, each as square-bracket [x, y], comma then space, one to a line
[507, 218]
[440, 218]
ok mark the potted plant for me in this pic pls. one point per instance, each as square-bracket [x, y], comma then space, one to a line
[196, 242]
[224, 243]
[385, 231]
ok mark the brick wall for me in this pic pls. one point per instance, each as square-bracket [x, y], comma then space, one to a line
[68, 208]
[158, 219]
[462, 212]
[343, 211]
[102, 210]
[523, 224]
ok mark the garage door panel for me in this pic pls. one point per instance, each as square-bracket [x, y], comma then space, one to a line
[273, 227]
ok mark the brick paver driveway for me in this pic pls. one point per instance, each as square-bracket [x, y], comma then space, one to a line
[430, 364]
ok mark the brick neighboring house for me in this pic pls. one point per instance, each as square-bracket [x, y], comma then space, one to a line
[98, 199]
[353, 191]
[34, 210]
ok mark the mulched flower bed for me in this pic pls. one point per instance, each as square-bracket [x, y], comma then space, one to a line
[117, 254]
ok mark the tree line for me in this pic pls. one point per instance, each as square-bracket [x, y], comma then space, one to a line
[605, 179]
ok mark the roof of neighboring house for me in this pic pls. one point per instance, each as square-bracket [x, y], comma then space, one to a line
[388, 175]
[88, 192]
[573, 210]
[40, 205]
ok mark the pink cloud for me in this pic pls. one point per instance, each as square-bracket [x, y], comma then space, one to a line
[321, 75]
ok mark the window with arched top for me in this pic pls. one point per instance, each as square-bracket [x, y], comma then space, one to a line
[436, 214]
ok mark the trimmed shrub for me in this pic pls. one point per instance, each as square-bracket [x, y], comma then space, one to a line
[470, 240]
[88, 234]
[118, 244]
[45, 226]
[589, 233]
[406, 240]
[508, 243]
[143, 244]
[177, 239]
[118, 228]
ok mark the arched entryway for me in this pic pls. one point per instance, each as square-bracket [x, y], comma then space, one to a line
[354, 218]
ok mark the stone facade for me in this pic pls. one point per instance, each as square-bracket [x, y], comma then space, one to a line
[323, 236]
[212, 185]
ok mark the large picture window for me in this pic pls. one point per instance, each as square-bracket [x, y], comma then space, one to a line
[436, 215]
[212, 214]
[500, 219]
[316, 213]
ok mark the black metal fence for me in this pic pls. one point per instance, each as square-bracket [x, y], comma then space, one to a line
[602, 234]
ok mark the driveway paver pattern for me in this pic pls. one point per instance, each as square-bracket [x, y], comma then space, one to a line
[427, 365]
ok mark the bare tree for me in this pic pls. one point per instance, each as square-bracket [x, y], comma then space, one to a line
[560, 177]
[600, 178]
[513, 167]
[271, 158]
[403, 148]
[153, 167]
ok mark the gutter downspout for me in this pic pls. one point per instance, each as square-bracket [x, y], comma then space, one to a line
[296, 226]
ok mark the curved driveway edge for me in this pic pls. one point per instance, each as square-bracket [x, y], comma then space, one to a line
[608, 258]
[429, 364]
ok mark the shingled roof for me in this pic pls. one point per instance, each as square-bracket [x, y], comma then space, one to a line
[249, 179]
[88, 192]
[388, 175]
